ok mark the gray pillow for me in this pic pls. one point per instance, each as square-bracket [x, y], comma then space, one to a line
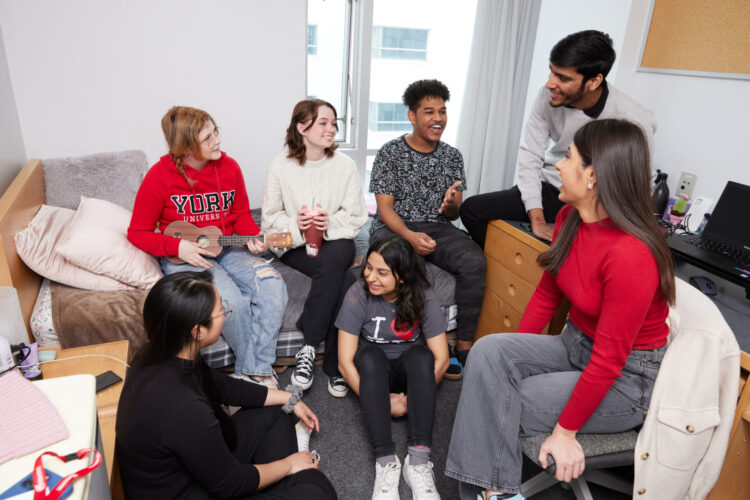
[113, 177]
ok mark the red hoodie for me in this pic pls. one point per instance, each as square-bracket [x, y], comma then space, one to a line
[218, 198]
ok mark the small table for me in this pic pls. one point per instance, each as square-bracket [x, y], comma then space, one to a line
[92, 360]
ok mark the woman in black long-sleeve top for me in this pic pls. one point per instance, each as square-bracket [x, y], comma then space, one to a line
[174, 440]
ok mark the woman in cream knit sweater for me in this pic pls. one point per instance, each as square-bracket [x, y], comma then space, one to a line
[310, 184]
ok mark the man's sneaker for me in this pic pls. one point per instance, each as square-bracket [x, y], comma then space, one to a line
[386, 481]
[337, 387]
[303, 372]
[303, 437]
[421, 481]
[455, 371]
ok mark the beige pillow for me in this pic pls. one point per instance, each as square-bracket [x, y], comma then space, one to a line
[97, 240]
[36, 245]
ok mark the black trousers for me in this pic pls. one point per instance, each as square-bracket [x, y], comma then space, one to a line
[330, 281]
[265, 435]
[464, 259]
[476, 211]
[413, 373]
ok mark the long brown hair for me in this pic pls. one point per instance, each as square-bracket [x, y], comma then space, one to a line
[618, 151]
[181, 126]
[305, 111]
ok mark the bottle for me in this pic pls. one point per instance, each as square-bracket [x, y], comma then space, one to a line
[660, 193]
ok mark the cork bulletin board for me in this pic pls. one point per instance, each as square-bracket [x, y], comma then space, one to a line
[698, 37]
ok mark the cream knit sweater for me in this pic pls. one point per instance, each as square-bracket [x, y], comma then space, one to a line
[331, 182]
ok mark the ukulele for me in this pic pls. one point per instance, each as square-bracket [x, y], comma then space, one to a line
[212, 239]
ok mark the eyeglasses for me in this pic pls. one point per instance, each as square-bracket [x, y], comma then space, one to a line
[227, 313]
[212, 137]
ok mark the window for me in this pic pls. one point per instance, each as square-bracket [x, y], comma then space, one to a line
[399, 43]
[388, 116]
[368, 52]
[312, 39]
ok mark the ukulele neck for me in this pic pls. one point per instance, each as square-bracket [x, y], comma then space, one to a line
[236, 240]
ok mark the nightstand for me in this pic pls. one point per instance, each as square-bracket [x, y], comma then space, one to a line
[512, 277]
[94, 362]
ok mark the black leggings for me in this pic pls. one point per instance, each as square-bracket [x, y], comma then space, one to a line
[476, 211]
[265, 435]
[412, 373]
[330, 281]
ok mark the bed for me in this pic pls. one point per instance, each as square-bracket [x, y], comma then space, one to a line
[24, 199]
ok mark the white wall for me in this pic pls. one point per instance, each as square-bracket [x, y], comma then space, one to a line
[703, 123]
[92, 76]
[12, 154]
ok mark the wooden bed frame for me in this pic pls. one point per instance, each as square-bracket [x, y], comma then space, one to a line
[18, 206]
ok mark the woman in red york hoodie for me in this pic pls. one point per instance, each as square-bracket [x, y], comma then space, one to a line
[198, 183]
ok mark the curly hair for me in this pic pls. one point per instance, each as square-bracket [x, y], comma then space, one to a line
[303, 112]
[411, 278]
[590, 52]
[420, 89]
[181, 126]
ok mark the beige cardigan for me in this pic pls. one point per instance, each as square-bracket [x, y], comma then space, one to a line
[681, 447]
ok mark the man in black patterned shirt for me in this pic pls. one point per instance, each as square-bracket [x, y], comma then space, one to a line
[418, 182]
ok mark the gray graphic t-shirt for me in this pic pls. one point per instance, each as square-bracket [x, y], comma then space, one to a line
[373, 319]
[417, 181]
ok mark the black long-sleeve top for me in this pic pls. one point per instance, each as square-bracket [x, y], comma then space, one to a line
[168, 435]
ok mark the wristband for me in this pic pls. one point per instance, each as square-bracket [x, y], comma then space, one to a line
[296, 391]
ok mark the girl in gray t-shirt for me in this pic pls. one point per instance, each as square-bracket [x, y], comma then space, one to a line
[393, 352]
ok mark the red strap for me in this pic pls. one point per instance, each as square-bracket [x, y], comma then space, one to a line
[40, 477]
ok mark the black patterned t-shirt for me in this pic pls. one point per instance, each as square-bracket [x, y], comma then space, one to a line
[417, 181]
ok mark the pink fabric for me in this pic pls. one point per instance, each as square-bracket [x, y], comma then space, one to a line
[28, 421]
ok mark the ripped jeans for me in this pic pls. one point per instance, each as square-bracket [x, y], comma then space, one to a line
[258, 298]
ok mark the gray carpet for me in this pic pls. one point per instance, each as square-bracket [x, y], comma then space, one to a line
[346, 454]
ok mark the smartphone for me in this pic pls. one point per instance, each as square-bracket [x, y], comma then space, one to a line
[526, 226]
[106, 379]
[24, 489]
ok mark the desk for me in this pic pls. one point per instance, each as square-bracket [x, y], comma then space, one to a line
[67, 363]
[73, 398]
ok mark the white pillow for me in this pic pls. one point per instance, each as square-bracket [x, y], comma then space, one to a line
[36, 245]
[97, 240]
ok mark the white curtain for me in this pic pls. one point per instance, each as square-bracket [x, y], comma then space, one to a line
[496, 86]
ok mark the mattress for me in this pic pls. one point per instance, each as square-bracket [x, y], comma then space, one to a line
[217, 355]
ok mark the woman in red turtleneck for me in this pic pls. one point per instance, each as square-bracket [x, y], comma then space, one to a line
[610, 259]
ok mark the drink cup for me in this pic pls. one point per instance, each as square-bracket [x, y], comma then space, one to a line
[313, 241]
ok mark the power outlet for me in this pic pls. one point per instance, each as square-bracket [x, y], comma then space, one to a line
[686, 184]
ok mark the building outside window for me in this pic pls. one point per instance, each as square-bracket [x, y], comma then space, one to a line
[399, 43]
[390, 116]
[312, 39]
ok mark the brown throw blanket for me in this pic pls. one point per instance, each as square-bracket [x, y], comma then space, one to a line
[84, 317]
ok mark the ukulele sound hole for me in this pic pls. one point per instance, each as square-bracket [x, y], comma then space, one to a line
[203, 241]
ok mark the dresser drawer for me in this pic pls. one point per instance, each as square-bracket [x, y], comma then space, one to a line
[497, 316]
[517, 256]
[511, 288]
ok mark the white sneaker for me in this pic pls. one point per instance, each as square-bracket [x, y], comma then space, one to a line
[269, 381]
[386, 481]
[303, 437]
[337, 387]
[421, 481]
[303, 372]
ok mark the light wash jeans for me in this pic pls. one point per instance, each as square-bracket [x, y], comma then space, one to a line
[517, 385]
[258, 298]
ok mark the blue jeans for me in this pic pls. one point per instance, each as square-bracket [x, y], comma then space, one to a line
[517, 385]
[258, 298]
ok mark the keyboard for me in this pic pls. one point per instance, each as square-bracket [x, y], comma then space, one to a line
[740, 258]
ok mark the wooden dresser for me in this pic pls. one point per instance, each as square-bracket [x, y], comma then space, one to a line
[512, 276]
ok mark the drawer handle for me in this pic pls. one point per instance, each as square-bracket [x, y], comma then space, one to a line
[512, 290]
[518, 258]
[506, 321]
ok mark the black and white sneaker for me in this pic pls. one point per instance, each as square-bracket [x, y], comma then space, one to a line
[303, 372]
[337, 387]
